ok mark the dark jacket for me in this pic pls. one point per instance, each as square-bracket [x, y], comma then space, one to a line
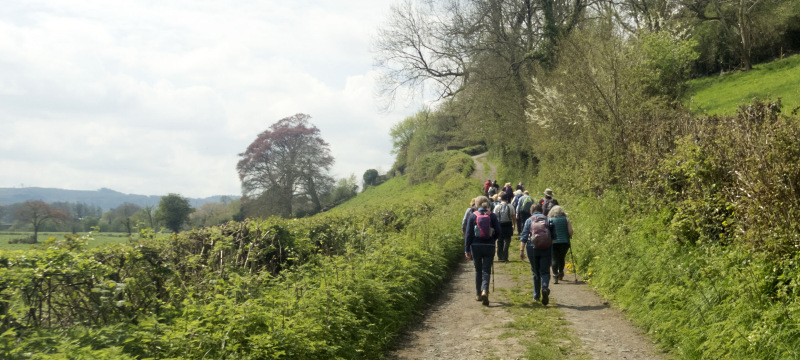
[471, 239]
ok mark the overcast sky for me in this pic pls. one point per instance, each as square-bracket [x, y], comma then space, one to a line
[157, 97]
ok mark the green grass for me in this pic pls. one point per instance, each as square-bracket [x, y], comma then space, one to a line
[723, 94]
[553, 339]
[99, 239]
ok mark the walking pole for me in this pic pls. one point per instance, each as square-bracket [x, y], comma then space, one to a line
[574, 263]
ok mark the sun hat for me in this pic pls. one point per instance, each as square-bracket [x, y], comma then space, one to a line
[548, 192]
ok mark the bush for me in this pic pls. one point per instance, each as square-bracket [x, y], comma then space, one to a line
[24, 240]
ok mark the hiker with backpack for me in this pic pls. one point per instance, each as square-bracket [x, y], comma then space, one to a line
[548, 202]
[508, 191]
[523, 209]
[562, 232]
[471, 209]
[492, 192]
[486, 187]
[483, 229]
[536, 238]
[506, 215]
[495, 200]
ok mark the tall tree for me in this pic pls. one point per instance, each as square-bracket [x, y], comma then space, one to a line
[287, 160]
[37, 213]
[173, 211]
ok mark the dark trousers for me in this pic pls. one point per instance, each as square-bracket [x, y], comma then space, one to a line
[482, 258]
[559, 256]
[522, 216]
[540, 263]
[504, 241]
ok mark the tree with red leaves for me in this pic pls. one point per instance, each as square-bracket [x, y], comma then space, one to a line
[287, 160]
[36, 213]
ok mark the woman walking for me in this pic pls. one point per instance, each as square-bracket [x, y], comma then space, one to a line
[562, 233]
[482, 231]
[539, 258]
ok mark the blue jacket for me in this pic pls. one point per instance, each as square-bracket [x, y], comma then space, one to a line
[469, 236]
[526, 230]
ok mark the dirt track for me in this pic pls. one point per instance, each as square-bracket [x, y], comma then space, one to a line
[458, 327]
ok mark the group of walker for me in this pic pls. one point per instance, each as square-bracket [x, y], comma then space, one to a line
[544, 232]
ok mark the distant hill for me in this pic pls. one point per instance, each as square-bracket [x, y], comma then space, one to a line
[104, 198]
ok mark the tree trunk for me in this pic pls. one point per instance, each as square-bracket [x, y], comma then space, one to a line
[745, 32]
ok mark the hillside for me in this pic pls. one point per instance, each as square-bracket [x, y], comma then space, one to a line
[104, 198]
[723, 94]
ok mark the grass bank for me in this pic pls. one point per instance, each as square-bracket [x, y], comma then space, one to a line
[724, 93]
[700, 301]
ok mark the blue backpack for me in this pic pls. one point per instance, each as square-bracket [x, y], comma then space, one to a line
[483, 225]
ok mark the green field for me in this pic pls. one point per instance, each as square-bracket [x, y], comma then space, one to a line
[98, 239]
[724, 93]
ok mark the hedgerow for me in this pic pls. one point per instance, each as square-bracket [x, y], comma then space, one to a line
[336, 286]
[704, 253]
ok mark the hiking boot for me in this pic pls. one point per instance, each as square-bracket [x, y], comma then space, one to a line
[556, 279]
[485, 298]
[560, 277]
[478, 298]
[545, 296]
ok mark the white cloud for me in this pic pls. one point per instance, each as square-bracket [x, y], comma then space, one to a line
[152, 97]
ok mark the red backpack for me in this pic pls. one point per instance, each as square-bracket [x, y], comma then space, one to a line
[483, 225]
[540, 233]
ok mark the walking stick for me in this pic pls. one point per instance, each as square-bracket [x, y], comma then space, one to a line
[574, 263]
[493, 275]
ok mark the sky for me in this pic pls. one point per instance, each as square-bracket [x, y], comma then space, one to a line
[158, 97]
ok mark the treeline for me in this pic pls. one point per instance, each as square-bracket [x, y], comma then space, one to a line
[128, 218]
[131, 218]
[689, 222]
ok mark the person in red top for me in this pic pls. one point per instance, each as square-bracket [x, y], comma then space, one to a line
[486, 187]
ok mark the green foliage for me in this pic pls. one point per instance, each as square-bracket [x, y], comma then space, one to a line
[173, 210]
[335, 286]
[668, 63]
[430, 166]
[700, 300]
[370, 177]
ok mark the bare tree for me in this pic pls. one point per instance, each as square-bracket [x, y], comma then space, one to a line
[37, 213]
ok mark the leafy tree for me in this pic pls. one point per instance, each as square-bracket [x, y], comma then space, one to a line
[36, 213]
[173, 210]
[345, 189]
[215, 213]
[121, 218]
[370, 177]
[289, 159]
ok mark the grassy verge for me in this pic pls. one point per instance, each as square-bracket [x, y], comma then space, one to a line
[541, 329]
[700, 301]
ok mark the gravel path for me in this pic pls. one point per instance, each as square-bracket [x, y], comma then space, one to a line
[458, 327]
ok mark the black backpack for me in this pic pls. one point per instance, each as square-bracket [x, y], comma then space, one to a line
[548, 204]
